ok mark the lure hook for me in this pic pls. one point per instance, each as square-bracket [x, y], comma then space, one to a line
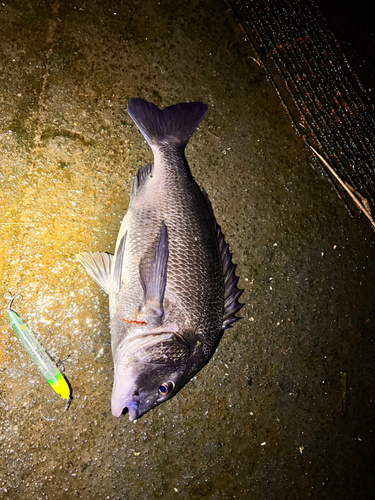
[10, 298]
[60, 363]
[67, 405]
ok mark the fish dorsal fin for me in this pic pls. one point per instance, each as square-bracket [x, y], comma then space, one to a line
[231, 292]
[177, 122]
[119, 259]
[153, 274]
[98, 266]
[140, 177]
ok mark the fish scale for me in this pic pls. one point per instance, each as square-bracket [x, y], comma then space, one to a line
[171, 282]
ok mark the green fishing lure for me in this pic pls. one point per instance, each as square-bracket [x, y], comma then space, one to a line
[37, 352]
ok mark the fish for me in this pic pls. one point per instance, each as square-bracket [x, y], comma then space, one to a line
[171, 282]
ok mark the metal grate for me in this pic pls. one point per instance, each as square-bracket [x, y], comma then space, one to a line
[323, 95]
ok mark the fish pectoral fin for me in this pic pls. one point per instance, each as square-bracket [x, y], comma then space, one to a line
[118, 262]
[140, 177]
[98, 266]
[153, 275]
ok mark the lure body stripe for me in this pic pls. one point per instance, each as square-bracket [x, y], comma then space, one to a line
[39, 355]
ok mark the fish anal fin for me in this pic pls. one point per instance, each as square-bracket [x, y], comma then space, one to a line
[140, 177]
[98, 266]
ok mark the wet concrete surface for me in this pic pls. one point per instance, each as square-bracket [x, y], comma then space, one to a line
[263, 419]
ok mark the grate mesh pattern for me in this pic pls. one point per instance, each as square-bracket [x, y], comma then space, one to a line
[323, 95]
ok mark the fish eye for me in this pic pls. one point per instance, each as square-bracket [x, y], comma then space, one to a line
[166, 388]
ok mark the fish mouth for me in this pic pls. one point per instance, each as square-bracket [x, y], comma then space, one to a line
[125, 396]
[133, 413]
[119, 407]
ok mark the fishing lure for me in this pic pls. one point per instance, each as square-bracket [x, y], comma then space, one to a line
[37, 352]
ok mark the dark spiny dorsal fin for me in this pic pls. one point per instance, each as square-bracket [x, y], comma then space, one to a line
[98, 266]
[231, 292]
[140, 177]
[153, 274]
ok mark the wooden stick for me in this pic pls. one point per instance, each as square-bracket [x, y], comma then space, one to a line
[363, 204]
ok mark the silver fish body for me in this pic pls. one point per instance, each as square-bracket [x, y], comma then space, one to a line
[171, 283]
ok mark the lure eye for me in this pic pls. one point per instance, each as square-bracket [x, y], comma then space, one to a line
[166, 388]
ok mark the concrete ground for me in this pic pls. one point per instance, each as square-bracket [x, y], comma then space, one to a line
[263, 420]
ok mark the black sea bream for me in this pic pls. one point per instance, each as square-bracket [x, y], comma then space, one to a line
[171, 283]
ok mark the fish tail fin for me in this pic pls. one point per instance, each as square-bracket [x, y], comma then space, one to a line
[176, 122]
